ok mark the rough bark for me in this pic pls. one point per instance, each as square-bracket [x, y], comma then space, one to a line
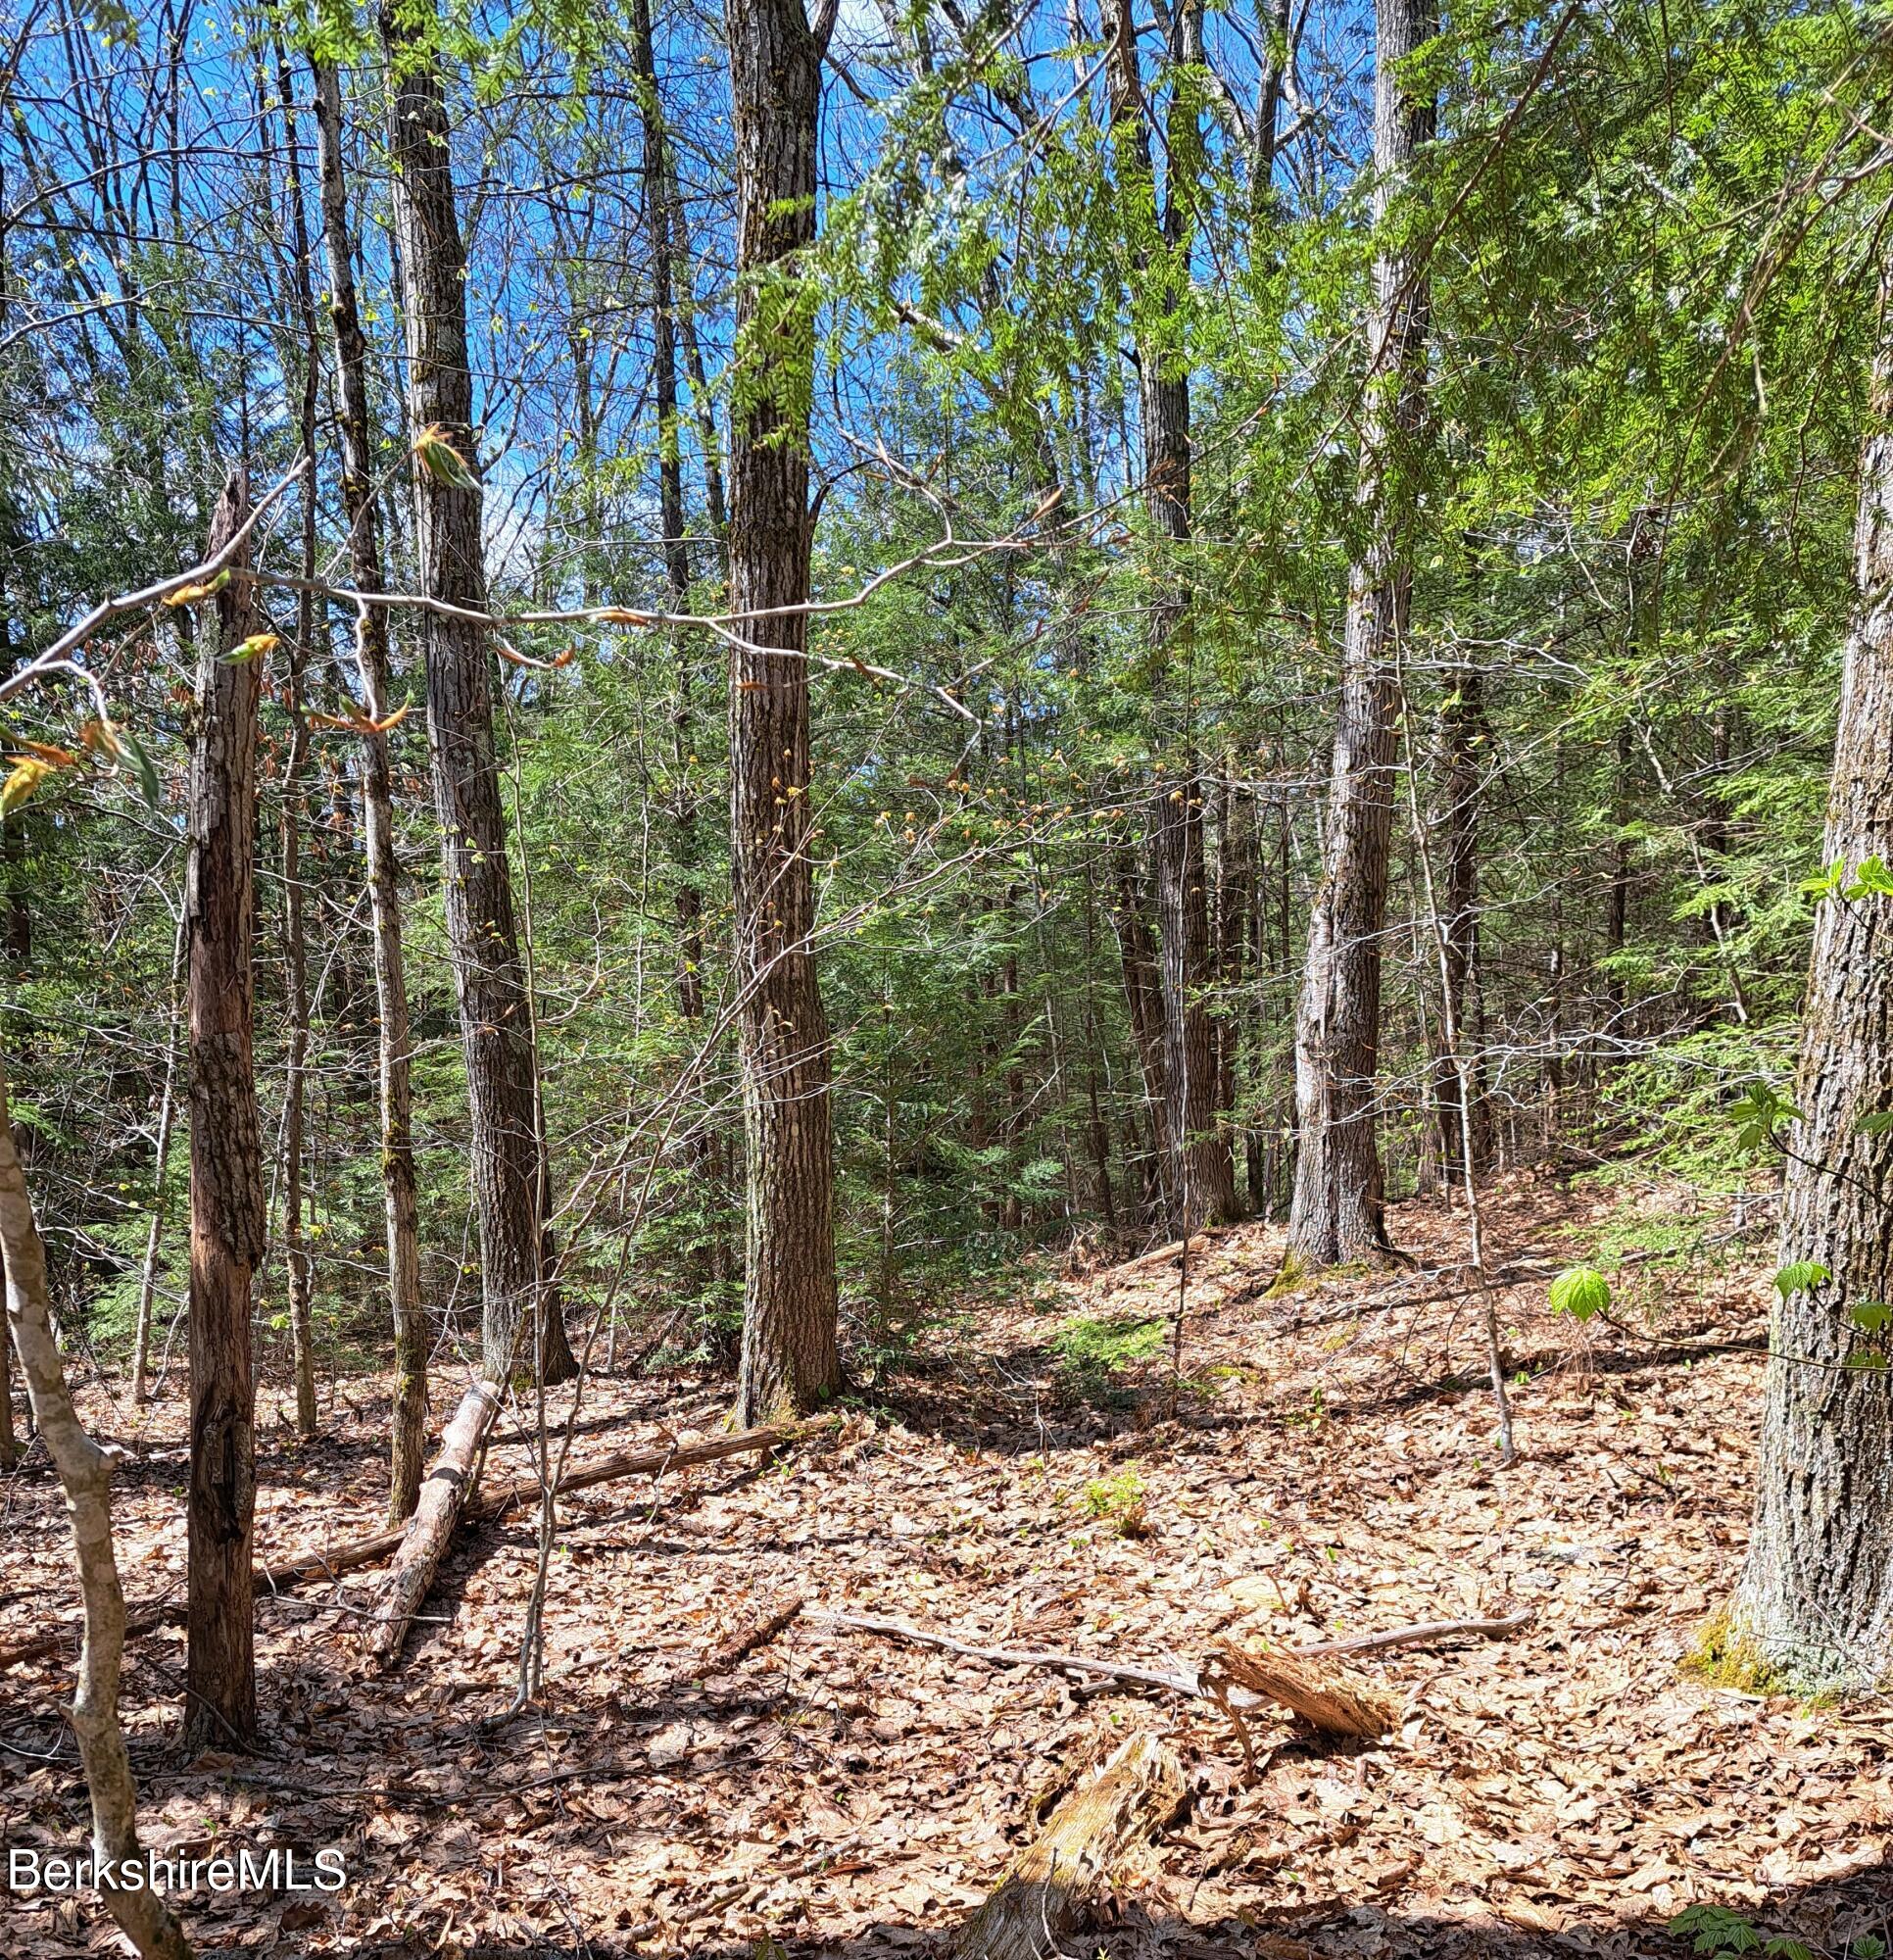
[1142, 1000]
[1054, 1884]
[227, 1161]
[295, 937]
[483, 943]
[789, 1356]
[1815, 1599]
[1202, 1181]
[481, 928]
[86, 1475]
[161, 1166]
[1464, 745]
[400, 1203]
[1338, 1212]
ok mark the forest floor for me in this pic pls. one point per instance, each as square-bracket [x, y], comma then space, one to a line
[1035, 1474]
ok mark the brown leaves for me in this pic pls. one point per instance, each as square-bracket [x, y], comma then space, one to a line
[1568, 1785]
[357, 724]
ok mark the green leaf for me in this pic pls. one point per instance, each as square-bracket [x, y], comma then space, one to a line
[1865, 1362]
[1871, 875]
[1878, 1124]
[1870, 1315]
[1715, 1929]
[1583, 1292]
[129, 744]
[1801, 1276]
[1867, 1947]
[442, 461]
[1757, 1112]
[248, 650]
[1828, 883]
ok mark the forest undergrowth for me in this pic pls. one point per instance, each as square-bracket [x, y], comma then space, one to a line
[1058, 1471]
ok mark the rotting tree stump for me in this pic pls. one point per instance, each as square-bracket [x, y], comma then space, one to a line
[1057, 1880]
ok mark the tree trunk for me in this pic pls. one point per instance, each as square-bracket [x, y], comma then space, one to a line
[290, 832]
[1337, 1213]
[790, 1354]
[483, 943]
[86, 1475]
[1815, 1601]
[482, 936]
[400, 1203]
[703, 401]
[159, 1205]
[1097, 1128]
[1012, 1216]
[1205, 1178]
[1465, 746]
[664, 263]
[226, 1162]
[1234, 898]
[1138, 957]
[1051, 1886]
[1202, 1181]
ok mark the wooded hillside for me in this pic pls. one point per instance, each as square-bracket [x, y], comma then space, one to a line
[944, 974]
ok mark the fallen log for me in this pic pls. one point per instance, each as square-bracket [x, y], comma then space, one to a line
[310, 1566]
[1055, 1883]
[423, 1544]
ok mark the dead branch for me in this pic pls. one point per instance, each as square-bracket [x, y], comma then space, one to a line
[423, 1542]
[1424, 1633]
[731, 1653]
[313, 1566]
[1064, 1664]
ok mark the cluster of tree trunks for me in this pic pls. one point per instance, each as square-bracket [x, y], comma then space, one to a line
[400, 1201]
[1337, 1213]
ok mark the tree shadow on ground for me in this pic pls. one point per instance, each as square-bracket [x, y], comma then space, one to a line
[1824, 1917]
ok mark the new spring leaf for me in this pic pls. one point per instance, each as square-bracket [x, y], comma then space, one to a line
[1584, 1293]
